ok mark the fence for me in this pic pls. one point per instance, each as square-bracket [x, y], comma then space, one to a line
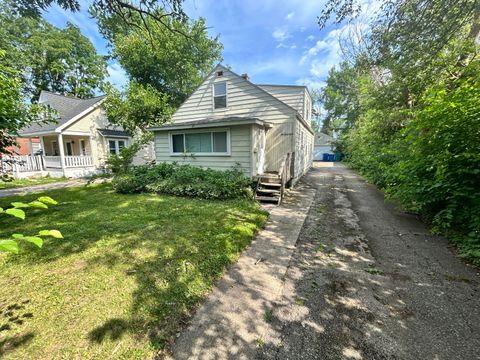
[24, 163]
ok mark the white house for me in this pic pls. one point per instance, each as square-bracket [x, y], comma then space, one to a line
[78, 143]
[229, 122]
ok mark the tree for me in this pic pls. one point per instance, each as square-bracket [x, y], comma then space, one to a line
[59, 60]
[122, 9]
[164, 67]
[14, 112]
[138, 107]
[172, 63]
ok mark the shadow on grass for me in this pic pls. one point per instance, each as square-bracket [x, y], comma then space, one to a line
[11, 343]
[175, 248]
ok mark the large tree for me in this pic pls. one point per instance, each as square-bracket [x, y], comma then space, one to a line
[157, 60]
[48, 58]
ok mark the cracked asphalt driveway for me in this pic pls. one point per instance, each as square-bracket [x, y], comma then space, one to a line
[367, 281]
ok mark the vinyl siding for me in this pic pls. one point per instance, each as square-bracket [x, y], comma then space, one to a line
[246, 100]
[303, 150]
[294, 96]
[240, 152]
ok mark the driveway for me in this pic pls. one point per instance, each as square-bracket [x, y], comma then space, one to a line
[367, 281]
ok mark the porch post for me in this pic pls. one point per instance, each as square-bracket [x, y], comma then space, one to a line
[30, 146]
[62, 152]
[42, 141]
[44, 153]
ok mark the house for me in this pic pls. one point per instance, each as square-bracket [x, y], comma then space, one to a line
[229, 122]
[78, 143]
[323, 145]
[25, 146]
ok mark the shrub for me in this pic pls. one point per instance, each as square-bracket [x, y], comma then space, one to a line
[183, 180]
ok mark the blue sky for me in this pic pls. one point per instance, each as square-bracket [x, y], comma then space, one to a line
[274, 41]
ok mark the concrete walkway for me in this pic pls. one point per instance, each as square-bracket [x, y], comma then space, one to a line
[233, 320]
[41, 187]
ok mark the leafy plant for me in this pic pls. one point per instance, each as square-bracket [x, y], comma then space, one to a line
[12, 245]
[183, 180]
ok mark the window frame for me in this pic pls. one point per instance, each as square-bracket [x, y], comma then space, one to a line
[117, 145]
[184, 132]
[226, 95]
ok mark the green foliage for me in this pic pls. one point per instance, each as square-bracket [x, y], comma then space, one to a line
[48, 58]
[132, 269]
[120, 163]
[138, 107]
[14, 112]
[184, 180]
[11, 245]
[172, 62]
[410, 102]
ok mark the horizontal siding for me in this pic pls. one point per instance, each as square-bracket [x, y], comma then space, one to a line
[243, 99]
[290, 95]
[240, 152]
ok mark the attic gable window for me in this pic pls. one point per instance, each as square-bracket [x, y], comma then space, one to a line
[220, 95]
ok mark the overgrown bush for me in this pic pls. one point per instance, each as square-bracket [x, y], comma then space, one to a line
[183, 180]
[431, 165]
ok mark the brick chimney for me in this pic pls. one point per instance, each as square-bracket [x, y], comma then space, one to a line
[245, 76]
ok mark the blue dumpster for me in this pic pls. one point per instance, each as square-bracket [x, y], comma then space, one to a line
[331, 157]
[325, 157]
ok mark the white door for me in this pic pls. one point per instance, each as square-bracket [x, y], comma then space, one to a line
[261, 152]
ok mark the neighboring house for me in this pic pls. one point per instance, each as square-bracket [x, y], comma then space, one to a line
[25, 146]
[323, 145]
[229, 122]
[79, 142]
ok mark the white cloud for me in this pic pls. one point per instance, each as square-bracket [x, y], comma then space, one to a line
[310, 37]
[290, 16]
[116, 75]
[281, 35]
[303, 28]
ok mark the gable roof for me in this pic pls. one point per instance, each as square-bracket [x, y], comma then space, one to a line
[277, 100]
[67, 107]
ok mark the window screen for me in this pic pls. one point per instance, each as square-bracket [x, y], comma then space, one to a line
[220, 95]
[177, 142]
[198, 143]
[112, 147]
[220, 142]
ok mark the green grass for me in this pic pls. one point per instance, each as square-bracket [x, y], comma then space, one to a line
[17, 183]
[127, 275]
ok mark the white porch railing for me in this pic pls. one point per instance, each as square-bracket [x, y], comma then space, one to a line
[53, 162]
[23, 163]
[71, 161]
[78, 161]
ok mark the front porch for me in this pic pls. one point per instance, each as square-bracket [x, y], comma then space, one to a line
[60, 155]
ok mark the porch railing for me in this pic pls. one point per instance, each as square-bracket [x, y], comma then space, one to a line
[70, 161]
[53, 162]
[78, 161]
[23, 163]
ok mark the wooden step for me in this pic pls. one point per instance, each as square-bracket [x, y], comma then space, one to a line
[268, 191]
[267, 198]
[278, 185]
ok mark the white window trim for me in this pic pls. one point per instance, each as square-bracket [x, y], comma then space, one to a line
[170, 142]
[117, 147]
[226, 95]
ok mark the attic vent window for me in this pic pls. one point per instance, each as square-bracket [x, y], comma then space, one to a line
[220, 95]
[219, 73]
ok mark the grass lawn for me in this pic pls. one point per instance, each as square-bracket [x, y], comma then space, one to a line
[27, 182]
[125, 278]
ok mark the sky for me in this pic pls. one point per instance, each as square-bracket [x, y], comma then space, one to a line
[273, 41]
